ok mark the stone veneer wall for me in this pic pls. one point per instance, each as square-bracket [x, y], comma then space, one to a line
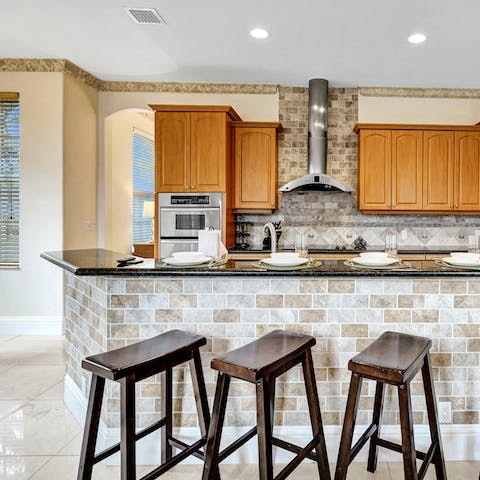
[333, 218]
[344, 315]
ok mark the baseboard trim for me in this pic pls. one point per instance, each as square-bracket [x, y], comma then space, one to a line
[31, 325]
[460, 442]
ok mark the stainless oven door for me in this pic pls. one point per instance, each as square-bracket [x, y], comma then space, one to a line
[186, 222]
[167, 247]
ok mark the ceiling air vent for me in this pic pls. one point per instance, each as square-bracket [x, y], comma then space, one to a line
[144, 16]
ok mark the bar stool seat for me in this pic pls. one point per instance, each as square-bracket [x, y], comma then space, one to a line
[131, 364]
[261, 362]
[394, 358]
[263, 356]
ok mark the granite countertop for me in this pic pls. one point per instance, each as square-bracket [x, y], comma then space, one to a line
[93, 262]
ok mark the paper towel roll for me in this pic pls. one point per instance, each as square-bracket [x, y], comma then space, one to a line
[210, 244]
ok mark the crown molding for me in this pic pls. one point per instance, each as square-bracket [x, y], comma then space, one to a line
[411, 92]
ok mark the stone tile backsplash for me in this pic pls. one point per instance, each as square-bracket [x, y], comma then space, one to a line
[333, 218]
[344, 315]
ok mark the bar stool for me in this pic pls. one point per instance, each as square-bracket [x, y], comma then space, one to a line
[261, 362]
[394, 358]
[128, 365]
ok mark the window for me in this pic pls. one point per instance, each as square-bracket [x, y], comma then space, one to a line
[143, 189]
[9, 179]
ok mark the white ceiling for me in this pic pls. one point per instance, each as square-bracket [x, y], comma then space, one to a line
[349, 42]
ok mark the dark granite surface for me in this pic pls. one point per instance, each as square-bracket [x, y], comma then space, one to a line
[104, 262]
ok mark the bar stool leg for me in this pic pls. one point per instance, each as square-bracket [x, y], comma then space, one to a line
[315, 416]
[166, 412]
[89, 442]
[377, 420]
[408, 440]
[348, 425]
[264, 429]
[210, 468]
[127, 428]
[200, 392]
[428, 386]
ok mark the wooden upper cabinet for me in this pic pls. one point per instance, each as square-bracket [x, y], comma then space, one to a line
[467, 171]
[407, 148]
[375, 170]
[438, 167]
[192, 147]
[172, 151]
[433, 168]
[255, 165]
[208, 150]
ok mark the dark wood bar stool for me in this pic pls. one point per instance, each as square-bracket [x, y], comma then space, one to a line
[261, 362]
[127, 366]
[394, 358]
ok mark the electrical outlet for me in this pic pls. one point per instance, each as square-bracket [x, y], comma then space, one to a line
[89, 226]
[445, 412]
[404, 234]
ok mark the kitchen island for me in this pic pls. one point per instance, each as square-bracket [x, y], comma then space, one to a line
[344, 308]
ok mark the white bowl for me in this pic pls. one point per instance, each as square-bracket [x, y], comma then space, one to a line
[183, 255]
[465, 256]
[284, 255]
[374, 256]
[289, 261]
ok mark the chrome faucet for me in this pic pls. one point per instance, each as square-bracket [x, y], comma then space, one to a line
[273, 235]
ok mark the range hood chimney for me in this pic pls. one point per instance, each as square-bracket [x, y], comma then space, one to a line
[317, 178]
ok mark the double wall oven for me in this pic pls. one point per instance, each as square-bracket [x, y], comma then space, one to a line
[182, 215]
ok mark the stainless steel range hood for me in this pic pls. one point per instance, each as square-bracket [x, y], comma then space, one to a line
[317, 178]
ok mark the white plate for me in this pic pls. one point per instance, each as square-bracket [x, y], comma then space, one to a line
[189, 255]
[457, 262]
[186, 261]
[375, 263]
[285, 262]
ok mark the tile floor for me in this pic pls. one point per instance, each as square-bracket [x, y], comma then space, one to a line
[40, 440]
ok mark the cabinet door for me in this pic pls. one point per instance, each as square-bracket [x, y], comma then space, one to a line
[255, 168]
[208, 151]
[375, 170]
[467, 171]
[407, 169]
[438, 163]
[172, 151]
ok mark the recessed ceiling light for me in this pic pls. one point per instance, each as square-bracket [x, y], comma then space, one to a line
[259, 33]
[417, 38]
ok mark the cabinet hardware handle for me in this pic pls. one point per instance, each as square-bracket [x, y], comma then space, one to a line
[451, 206]
[389, 206]
[456, 206]
[194, 186]
[186, 186]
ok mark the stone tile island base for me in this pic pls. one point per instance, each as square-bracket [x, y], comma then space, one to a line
[344, 315]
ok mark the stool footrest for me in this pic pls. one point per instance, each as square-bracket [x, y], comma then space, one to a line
[236, 444]
[398, 448]
[292, 448]
[175, 442]
[116, 448]
[362, 441]
[428, 460]
[304, 452]
[175, 460]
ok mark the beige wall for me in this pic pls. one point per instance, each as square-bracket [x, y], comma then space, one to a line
[80, 164]
[118, 186]
[450, 111]
[35, 289]
[111, 223]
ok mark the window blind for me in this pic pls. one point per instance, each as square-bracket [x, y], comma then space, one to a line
[143, 187]
[9, 179]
